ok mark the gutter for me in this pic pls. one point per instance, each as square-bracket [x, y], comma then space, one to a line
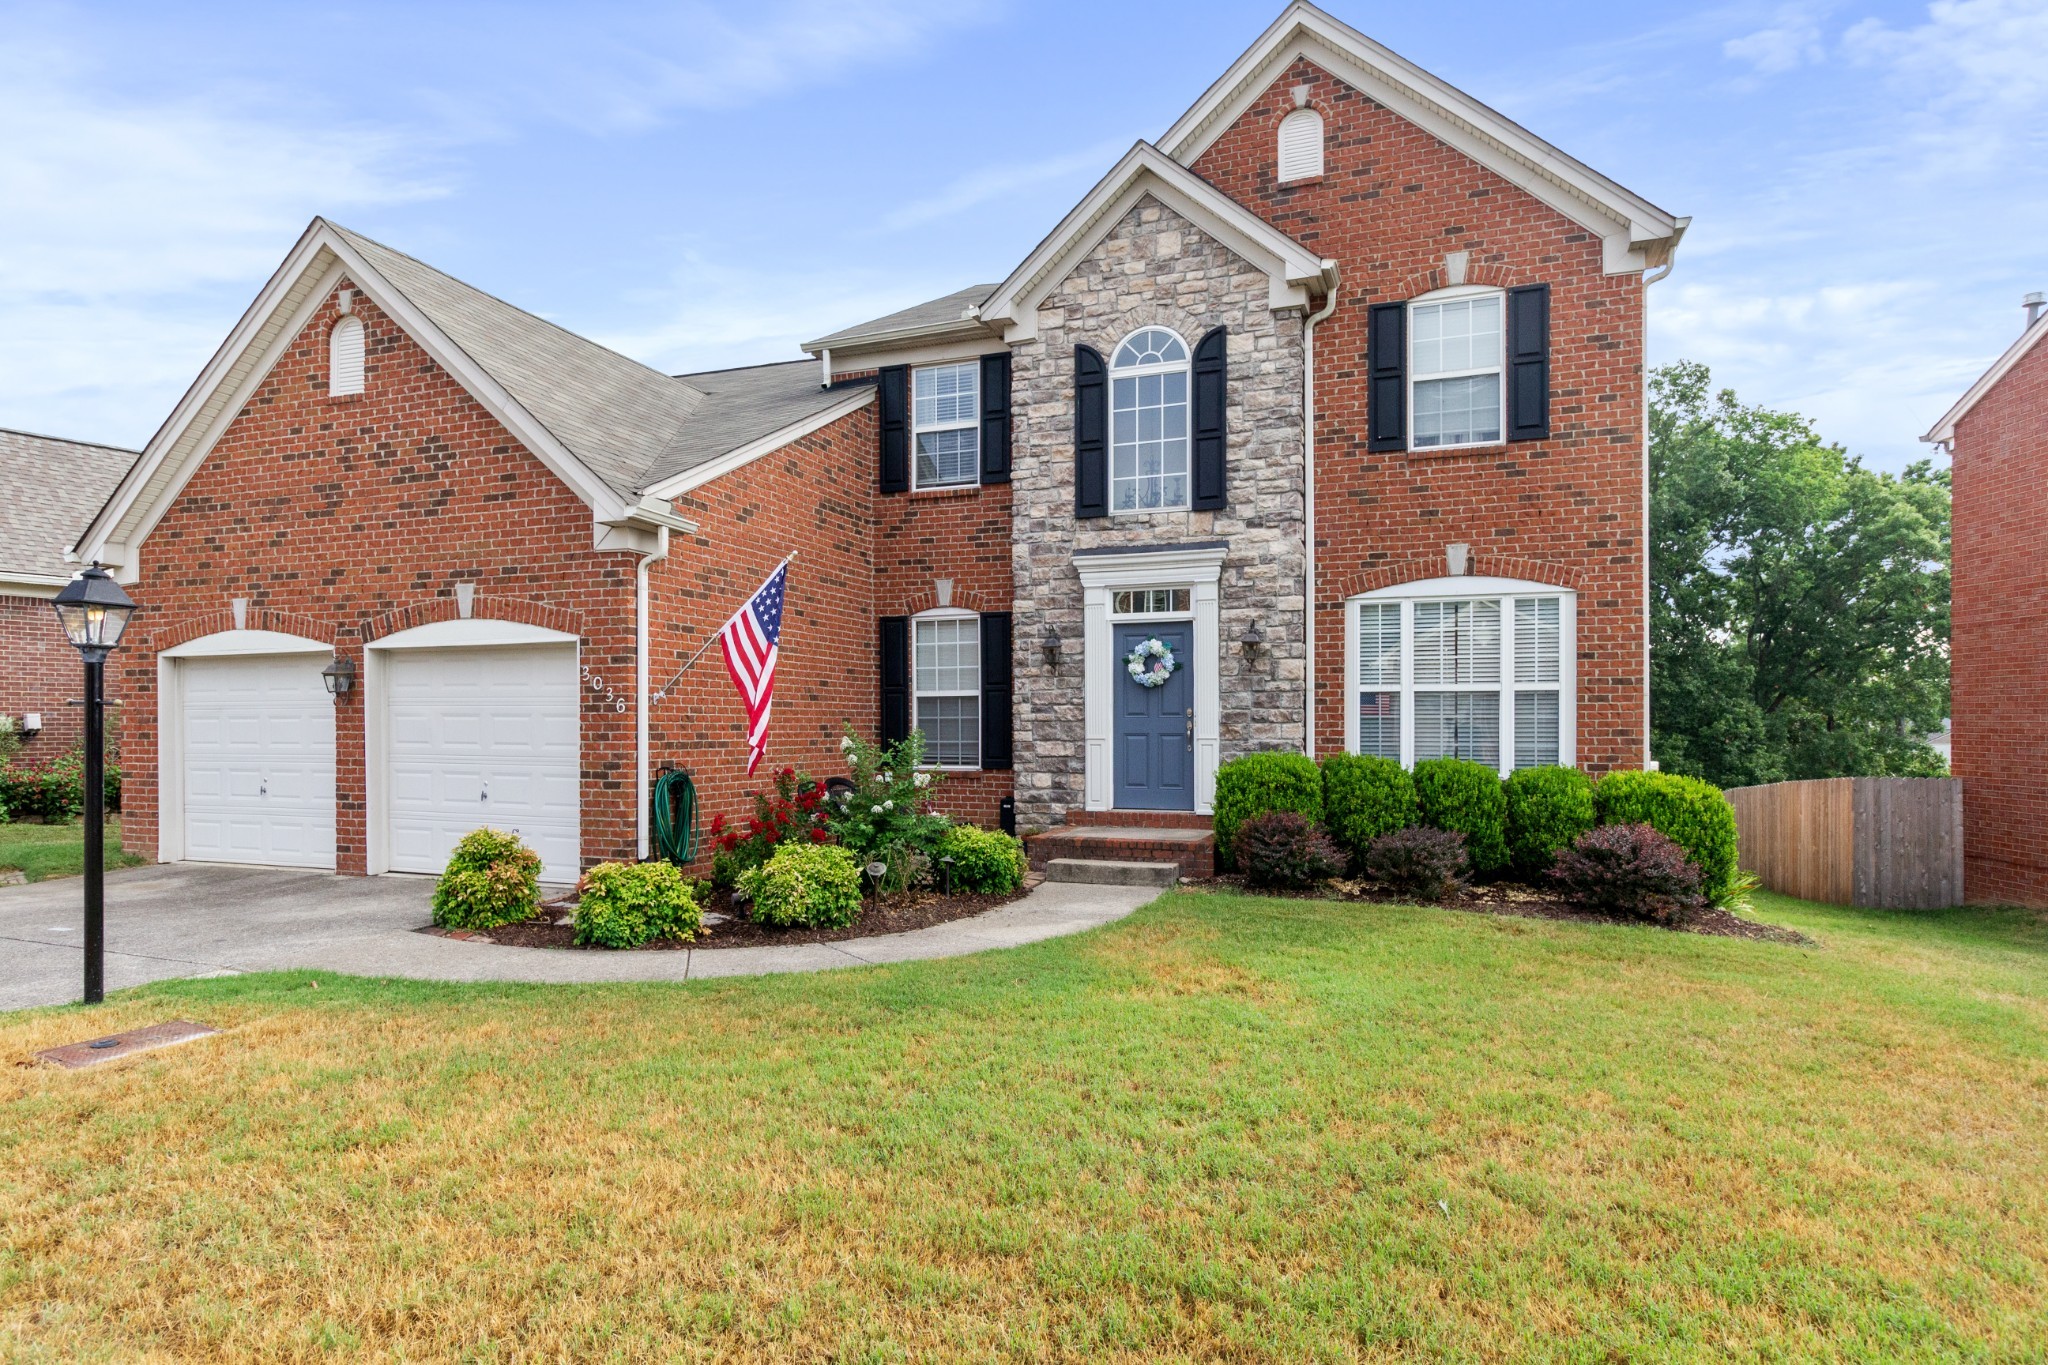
[1308, 437]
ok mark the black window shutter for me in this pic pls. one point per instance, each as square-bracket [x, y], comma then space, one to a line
[1386, 358]
[995, 689]
[895, 671]
[895, 387]
[1212, 379]
[1091, 433]
[1529, 363]
[995, 418]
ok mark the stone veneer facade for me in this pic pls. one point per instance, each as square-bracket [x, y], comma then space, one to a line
[1157, 269]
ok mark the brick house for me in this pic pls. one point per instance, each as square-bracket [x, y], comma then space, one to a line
[48, 488]
[1997, 436]
[1334, 394]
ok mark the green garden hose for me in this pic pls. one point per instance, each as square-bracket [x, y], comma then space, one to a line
[675, 817]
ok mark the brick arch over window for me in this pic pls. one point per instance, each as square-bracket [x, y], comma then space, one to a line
[429, 610]
[1339, 588]
[1490, 272]
[926, 599]
[188, 628]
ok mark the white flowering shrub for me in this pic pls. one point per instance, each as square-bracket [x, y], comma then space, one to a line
[887, 817]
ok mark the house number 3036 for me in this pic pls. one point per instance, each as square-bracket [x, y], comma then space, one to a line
[596, 684]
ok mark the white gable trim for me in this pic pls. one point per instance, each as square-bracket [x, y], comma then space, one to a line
[1295, 274]
[272, 322]
[1944, 431]
[1636, 233]
[753, 450]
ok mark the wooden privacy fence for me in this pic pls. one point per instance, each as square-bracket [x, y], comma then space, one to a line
[1892, 842]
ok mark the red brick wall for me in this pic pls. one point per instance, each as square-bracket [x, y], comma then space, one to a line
[1999, 650]
[1569, 511]
[337, 517]
[40, 671]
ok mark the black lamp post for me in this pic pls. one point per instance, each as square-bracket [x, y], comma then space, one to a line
[94, 611]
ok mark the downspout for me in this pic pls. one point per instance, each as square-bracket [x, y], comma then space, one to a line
[1308, 438]
[1650, 277]
[642, 749]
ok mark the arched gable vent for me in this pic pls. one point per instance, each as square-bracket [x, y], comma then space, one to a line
[345, 357]
[1301, 145]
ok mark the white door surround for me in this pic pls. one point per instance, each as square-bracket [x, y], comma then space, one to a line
[245, 750]
[1196, 567]
[429, 706]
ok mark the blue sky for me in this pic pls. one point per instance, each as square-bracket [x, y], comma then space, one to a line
[707, 184]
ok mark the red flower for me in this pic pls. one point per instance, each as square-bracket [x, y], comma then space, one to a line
[819, 836]
[717, 825]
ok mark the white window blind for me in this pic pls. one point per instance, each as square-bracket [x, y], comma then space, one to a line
[1301, 145]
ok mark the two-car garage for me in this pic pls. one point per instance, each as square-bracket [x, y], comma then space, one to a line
[464, 724]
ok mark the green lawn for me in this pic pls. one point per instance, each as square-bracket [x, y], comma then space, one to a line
[57, 850]
[1227, 1128]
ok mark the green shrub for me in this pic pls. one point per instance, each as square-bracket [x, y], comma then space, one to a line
[491, 879]
[1692, 812]
[1255, 784]
[986, 862]
[1365, 797]
[1548, 809]
[624, 905]
[53, 793]
[1285, 850]
[10, 740]
[808, 886]
[1466, 798]
[887, 814]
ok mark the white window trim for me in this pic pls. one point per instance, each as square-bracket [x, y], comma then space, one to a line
[948, 614]
[973, 423]
[1504, 591]
[1129, 617]
[1185, 366]
[1302, 114]
[1498, 369]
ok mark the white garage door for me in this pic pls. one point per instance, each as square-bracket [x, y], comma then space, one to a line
[259, 760]
[483, 737]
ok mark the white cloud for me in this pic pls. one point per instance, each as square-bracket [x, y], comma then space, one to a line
[1793, 40]
[997, 182]
[1976, 54]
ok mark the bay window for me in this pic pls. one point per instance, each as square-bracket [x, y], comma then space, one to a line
[1474, 668]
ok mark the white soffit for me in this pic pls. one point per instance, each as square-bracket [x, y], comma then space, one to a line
[1636, 232]
[1295, 274]
[1944, 431]
[279, 313]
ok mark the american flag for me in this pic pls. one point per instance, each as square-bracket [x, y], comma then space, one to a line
[749, 641]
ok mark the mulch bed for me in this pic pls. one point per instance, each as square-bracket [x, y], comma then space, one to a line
[912, 910]
[1510, 898]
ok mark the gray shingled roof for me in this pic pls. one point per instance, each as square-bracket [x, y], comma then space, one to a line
[938, 312]
[632, 426]
[49, 488]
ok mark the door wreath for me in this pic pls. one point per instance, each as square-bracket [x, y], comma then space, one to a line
[1151, 663]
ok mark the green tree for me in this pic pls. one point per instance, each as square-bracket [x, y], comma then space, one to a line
[1799, 601]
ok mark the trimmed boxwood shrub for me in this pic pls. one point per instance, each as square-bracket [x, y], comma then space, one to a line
[1629, 870]
[491, 879]
[1284, 849]
[1421, 861]
[1365, 797]
[1692, 812]
[1466, 798]
[804, 886]
[1254, 784]
[624, 905]
[1548, 808]
[986, 862]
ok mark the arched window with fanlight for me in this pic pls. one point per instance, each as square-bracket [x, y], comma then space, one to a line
[1148, 447]
[345, 357]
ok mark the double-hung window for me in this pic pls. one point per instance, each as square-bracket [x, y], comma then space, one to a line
[1148, 438]
[946, 424]
[946, 688]
[1478, 669]
[1454, 352]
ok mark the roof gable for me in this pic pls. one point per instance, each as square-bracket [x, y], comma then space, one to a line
[52, 486]
[1944, 431]
[1295, 273]
[1636, 232]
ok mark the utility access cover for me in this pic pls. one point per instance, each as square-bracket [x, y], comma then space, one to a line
[93, 1051]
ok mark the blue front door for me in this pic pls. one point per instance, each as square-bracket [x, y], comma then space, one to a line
[1155, 726]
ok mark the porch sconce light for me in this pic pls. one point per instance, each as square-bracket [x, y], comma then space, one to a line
[1050, 645]
[340, 676]
[1251, 642]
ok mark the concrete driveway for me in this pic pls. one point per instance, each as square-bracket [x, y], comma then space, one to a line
[202, 919]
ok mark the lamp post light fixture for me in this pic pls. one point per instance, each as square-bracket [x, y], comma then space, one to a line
[94, 612]
[340, 676]
[1049, 645]
[1251, 642]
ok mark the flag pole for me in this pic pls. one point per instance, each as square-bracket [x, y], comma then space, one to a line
[662, 694]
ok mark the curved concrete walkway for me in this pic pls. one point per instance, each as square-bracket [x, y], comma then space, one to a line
[192, 919]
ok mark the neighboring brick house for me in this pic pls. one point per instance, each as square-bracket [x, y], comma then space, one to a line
[48, 488]
[1335, 394]
[1997, 436]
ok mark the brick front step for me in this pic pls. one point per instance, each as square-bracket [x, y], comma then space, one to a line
[1102, 872]
[1193, 851]
[1141, 819]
